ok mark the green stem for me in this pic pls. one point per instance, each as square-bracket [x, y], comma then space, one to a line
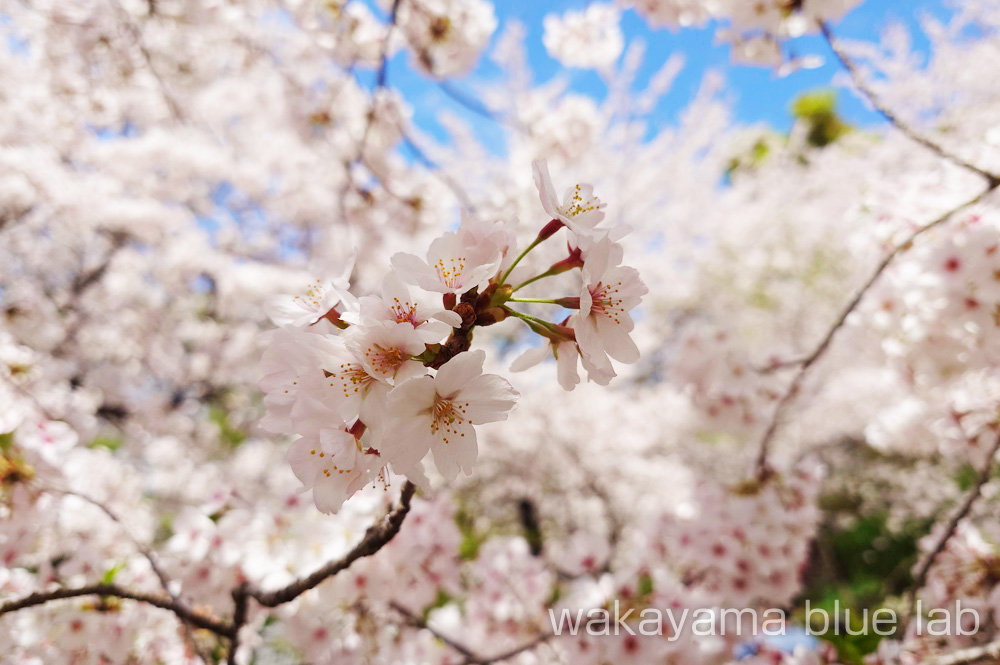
[535, 243]
[547, 273]
[548, 325]
[547, 301]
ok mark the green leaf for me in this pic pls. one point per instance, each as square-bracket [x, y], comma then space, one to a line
[112, 572]
[818, 110]
[228, 434]
[111, 443]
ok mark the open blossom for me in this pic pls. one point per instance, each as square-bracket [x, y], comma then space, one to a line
[348, 386]
[566, 353]
[386, 350]
[453, 265]
[609, 293]
[591, 38]
[580, 210]
[319, 298]
[447, 35]
[439, 414]
[293, 356]
[331, 463]
[398, 306]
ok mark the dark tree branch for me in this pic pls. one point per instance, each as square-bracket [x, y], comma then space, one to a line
[377, 537]
[183, 613]
[923, 568]
[859, 82]
[470, 657]
[761, 468]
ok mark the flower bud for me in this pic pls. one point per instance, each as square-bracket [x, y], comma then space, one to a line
[467, 312]
[490, 316]
[549, 230]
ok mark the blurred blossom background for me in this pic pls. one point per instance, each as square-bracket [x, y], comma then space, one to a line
[810, 190]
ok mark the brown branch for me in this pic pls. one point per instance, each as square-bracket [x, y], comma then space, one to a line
[963, 510]
[145, 551]
[175, 108]
[470, 656]
[183, 613]
[240, 608]
[761, 468]
[381, 78]
[873, 99]
[377, 537]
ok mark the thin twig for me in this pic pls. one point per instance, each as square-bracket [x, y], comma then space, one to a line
[920, 577]
[479, 108]
[435, 169]
[183, 613]
[470, 656]
[381, 78]
[145, 551]
[175, 108]
[900, 124]
[761, 468]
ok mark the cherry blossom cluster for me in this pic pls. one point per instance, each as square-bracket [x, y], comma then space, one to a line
[755, 28]
[382, 380]
[965, 571]
[745, 545]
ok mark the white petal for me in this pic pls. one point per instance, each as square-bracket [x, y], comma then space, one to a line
[457, 372]
[546, 192]
[529, 358]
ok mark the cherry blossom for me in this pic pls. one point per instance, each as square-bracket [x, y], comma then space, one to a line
[439, 414]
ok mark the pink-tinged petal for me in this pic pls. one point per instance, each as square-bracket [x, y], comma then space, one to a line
[487, 399]
[447, 316]
[546, 192]
[411, 398]
[457, 372]
[459, 454]
[600, 375]
[406, 441]
[329, 495]
[415, 474]
[414, 270]
[394, 288]
[373, 405]
[566, 354]
[599, 258]
[587, 337]
[529, 358]
[302, 460]
[586, 299]
[617, 342]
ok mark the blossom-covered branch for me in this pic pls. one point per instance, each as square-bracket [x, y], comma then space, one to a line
[804, 364]
[865, 89]
[469, 656]
[112, 590]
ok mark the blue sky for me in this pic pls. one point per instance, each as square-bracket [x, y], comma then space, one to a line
[759, 95]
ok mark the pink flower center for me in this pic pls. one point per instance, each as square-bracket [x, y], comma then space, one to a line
[404, 312]
[606, 302]
[352, 378]
[384, 360]
[448, 416]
